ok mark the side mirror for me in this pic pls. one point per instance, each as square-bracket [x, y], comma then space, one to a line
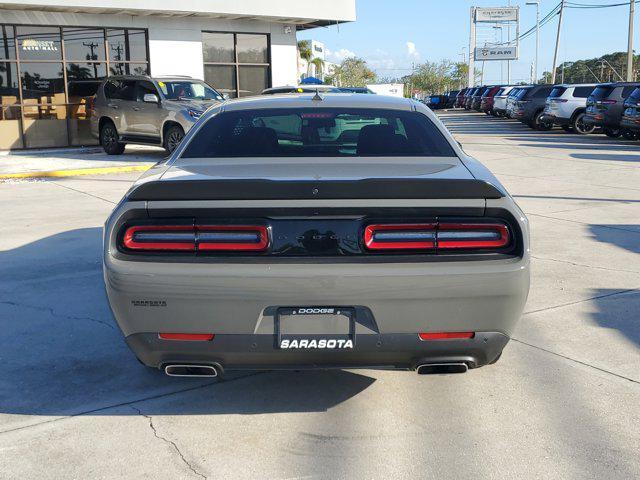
[150, 98]
[225, 96]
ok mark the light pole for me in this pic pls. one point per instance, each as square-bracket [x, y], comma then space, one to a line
[630, 78]
[496, 27]
[535, 63]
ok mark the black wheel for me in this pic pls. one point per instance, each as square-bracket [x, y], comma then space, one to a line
[109, 140]
[173, 137]
[538, 124]
[612, 132]
[580, 127]
[629, 135]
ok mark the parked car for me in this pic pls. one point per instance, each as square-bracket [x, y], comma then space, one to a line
[605, 106]
[566, 106]
[469, 97]
[150, 111]
[477, 98]
[529, 106]
[451, 98]
[486, 103]
[631, 116]
[500, 101]
[460, 98]
[236, 253]
[512, 99]
[437, 102]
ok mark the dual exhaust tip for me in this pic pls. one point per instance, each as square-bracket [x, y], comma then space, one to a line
[177, 370]
[191, 371]
[441, 368]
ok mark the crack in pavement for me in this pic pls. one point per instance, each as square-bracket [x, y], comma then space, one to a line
[54, 314]
[169, 442]
[598, 225]
[84, 193]
[584, 265]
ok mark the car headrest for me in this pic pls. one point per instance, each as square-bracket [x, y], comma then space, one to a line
[380, 140]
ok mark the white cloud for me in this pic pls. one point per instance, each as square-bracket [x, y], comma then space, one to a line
[338, 56]
[412, 51]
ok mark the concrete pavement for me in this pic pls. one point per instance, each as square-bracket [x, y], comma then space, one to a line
[561, 403]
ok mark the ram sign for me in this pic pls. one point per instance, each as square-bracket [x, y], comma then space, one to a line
[496, 53]
[498, 14]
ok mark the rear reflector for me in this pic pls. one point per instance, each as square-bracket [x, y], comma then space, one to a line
[201, 337]
[444, 335]
[400, 236]
[196, 237]
[436, 236]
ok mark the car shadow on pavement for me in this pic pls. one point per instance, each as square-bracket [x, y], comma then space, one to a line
[604, 156]
[63, 354]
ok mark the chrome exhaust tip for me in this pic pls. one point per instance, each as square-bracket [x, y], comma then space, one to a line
[441, 368]
[191, 371]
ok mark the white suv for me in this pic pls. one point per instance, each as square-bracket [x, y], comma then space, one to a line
[500, 101]
[566, 106]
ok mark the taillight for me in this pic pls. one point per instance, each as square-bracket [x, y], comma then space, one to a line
[160, 237]
[400, 236]
[436, 236]
[181, 238]
[445, 335]
[235, 237]
[472, 235]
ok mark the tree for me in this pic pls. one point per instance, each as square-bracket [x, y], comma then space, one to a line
[352, 72]
[319, 63]
[304, 49]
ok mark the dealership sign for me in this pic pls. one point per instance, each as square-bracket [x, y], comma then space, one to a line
[39, 45]
[496, 53]
[498, 14]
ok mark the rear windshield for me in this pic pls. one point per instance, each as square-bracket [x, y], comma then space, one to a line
[601, 91]
[514, 92]
[318, 132]
[582, 92]
[522, 93]
[499, 92]
[557, 92]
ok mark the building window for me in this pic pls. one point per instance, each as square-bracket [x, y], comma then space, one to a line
[48, 74]
[237, 64]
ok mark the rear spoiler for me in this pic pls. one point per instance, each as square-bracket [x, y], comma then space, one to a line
[264, 189]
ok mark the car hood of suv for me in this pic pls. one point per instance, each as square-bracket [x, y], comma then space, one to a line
[196, 104]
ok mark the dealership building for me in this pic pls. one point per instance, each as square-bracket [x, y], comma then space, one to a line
[54, 53]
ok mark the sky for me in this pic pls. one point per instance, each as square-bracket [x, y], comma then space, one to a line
[393, 35]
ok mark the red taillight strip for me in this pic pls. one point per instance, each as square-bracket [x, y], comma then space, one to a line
[131, 243]
[399, 244]
[498, 228]
[201, 337]
[261, 232]
[445, 335]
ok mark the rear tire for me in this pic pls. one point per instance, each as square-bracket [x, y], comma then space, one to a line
[173, 137]
[580, 127]
[538, 124]
[612, 132]
[629, 135]
[109, 139]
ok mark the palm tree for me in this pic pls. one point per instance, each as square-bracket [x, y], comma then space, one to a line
[319, 63]
[304, 52]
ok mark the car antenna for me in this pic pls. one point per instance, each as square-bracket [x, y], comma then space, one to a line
[317, 97]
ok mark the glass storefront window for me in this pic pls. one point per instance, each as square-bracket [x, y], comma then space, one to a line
[236, 64]
[39, 43]
[218, 47]
[83, 80]
[42, 82]
[252, 48]
[84, 44]
[253, 79]
[10, 131]
[7, 43]
[127, 45]
[9, 92]
[222, 78]
[129, 69]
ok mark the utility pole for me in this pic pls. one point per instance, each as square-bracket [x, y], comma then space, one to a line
[509, 42]
[535, 62]
[555, 55]
[630, 78]
[471, 80]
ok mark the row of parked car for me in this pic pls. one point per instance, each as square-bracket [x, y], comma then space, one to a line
[613, 108]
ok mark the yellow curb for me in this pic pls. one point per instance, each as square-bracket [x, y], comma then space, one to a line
[76, 172]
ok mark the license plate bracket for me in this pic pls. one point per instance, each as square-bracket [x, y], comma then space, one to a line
[288, 333]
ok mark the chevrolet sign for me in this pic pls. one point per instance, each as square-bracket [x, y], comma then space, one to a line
[496, 53]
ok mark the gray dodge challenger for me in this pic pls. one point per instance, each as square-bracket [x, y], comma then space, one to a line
[308, 231]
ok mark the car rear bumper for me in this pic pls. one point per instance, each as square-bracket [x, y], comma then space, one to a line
[556, 120]
[261, 352]
[630, 123]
